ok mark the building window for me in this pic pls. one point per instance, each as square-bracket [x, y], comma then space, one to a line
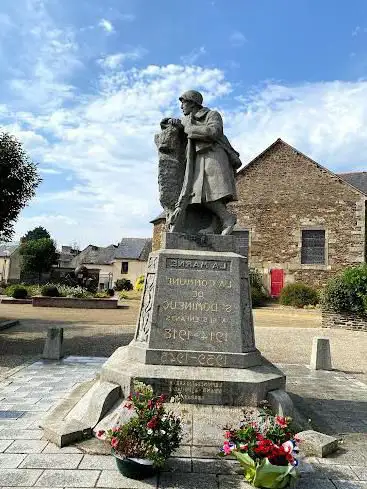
[125, 267]
[313, 247]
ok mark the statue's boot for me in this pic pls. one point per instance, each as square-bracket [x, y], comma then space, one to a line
[228, 225]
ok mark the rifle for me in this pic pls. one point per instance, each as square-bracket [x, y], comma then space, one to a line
[176, 221]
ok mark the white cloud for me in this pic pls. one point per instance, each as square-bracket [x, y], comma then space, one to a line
[48, 171]
[113, 61]
[237, 39]
[107, 25]
[193, 56]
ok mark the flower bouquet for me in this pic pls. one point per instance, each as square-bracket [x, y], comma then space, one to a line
[266, 448]
[142, 444]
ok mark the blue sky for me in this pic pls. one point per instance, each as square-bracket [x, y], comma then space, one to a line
[85, 83]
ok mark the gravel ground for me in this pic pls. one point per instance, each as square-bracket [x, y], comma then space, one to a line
[283, 335]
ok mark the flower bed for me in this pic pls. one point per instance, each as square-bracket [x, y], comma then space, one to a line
[74, 302]
[343, 320]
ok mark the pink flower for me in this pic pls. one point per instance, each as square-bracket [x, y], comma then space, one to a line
[227, 434]
[288, 446]
[114, 442]
[100, 433]
[152, 424]
[128, 405]
[243, 447]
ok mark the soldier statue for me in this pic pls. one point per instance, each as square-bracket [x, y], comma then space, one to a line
[197, 158]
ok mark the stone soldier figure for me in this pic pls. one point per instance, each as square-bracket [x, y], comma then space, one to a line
[214, 162]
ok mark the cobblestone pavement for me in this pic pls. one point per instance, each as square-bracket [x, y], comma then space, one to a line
[335, 401]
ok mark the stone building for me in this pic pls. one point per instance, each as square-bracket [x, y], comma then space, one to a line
[304, 223]
[9, 263]
[127, 260]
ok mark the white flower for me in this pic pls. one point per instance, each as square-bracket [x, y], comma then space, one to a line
[150, 432]
[163, 432]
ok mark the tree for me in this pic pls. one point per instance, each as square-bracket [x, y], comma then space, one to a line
[38, 256]
[18, 181]
[37, 233]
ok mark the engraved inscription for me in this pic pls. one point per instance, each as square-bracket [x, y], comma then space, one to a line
[192, 264]
[195, 391]
[193, 358]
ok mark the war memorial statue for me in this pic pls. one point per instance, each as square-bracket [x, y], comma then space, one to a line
[197, 166]
[194, 336]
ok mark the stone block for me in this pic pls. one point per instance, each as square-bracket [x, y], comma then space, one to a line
[53, 349]
[19, 477]
[113, 479]
[11, 460]
[317, 444]
[67, 478]
[26, 446]
[52, 461]
[233, 482]
[280, 403]
[321, 356]
[187, 481]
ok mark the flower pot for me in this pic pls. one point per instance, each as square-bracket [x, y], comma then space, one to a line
[134, 468]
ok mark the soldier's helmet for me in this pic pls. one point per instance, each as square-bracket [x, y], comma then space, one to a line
[192, 96]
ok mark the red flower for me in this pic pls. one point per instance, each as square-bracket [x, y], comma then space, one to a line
[128, 405]
[152, 424]
[281, 421]
[114, 442]
[100, 433]
[150, 404]
[227, 434]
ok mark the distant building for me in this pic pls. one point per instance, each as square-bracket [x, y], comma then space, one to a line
[126, 260]
[66, 255]
[303, 222]
[9, 263]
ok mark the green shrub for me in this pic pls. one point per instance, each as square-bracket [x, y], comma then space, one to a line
[50, 291]
[33, 290]
[298, 295]
[16, 291]
[123, 296]
[348, 291]
[139, 284]
[123, 284]
[101, 294]
[258, 297]
[259, 294]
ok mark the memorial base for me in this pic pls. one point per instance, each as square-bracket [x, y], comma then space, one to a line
[202, 385]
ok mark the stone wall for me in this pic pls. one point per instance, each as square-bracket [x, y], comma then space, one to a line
[343, 321]
[283, 192]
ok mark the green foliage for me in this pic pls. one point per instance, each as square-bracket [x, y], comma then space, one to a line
[139, 284]
[16, 291]
[102, 294]
[38, 232]
[348, 291]
[50, 291]
[18, 180]
[38, 256]
[259, 295]
[123, 284]
[298, 295]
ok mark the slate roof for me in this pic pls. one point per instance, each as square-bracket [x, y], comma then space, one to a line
[358, 179]
[127, 249]
[134, 249]
[10, 247]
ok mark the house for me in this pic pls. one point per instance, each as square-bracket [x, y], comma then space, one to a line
[125, 260]
[304, 222]
[9, 263]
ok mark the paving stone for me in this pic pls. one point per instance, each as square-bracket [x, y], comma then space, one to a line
[178, 464]
[361, 472]
[233, 482]
[336, 472]
[8, 434]
[345, 458]
[350, 484]
[19, 477]
[70, 478]
[315, 484]
[185, 481]
[113, 478]
[52, 448]
[318, 444]
[26, 446]
[52, 461]
[100, 462]
[4, 444]
[10, 460]
[216, 466]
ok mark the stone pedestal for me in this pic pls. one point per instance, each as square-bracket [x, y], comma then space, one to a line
[194, 340]
[194, 336]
